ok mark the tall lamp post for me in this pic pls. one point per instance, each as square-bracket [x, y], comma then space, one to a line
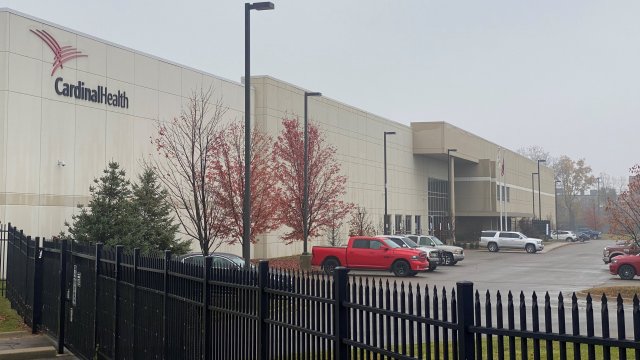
[452, 200]
[246, 203]
[539, 196]
[306, 258]
[386, 216]
[533, 195]
[555, 193]
[597, 213]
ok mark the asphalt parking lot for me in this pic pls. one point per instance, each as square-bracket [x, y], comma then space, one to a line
[568, 268]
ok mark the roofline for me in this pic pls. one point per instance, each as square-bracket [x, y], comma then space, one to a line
[106, 42]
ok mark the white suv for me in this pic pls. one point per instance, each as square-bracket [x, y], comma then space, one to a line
[496, 240]
[564, 235]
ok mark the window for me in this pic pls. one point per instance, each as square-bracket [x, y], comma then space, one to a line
[361, 244]
[438, 199]
[219, 262]
[375, 244]
[196, 259]
[399, 242]
[418, 227]
[488, 234]
[407, 224]
[503, 192]
[398, 224]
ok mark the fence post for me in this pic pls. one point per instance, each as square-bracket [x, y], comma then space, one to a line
[25, 285]
[464, 293]
[340, 313]
[165, 339]
[136, 263]
[96, 295]
[206, 319]
[62, 317]
[37, 287]
[263, 310]
[116, 301]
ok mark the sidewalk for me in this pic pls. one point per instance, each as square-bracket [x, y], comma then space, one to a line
[22, 345]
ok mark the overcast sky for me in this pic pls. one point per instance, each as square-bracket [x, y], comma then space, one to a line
[562, 75]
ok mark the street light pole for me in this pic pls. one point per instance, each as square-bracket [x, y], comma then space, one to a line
[305, 201]
[246, 203]
[452, 200]
[533, 195]
[597, 213]
[539, 195]
[386, 216]
[555, 193]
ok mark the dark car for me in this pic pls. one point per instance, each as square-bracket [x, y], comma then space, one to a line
[222, 260]
[592, 233]
[583, 236]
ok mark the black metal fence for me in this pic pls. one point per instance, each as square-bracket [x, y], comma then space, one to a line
[3, 259]
[109, 303]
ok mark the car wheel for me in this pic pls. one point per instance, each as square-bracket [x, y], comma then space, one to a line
[626, 272]
[401, 268]
[330, 265]
[493, 247]
[570, 239]
[530, 248]
[448, 259]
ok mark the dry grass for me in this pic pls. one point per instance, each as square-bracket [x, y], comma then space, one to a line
[611, 292]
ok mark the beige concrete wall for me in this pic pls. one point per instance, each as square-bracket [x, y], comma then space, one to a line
[38, 127]
[476, 172]
[358, 137]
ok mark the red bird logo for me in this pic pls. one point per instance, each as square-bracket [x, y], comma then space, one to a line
[61, 54]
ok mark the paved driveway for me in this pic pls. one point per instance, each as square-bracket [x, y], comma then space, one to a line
[574, 267]
[569, 268]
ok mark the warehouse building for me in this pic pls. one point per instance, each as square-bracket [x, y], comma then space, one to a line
[70, 103]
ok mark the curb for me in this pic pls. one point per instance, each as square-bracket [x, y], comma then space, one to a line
[28, 353]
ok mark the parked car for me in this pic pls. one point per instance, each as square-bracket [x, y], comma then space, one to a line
[495, 240]
[625, 266]
[564, 235]
[619, 249]
[371, 253]
[450, 254]
[583, 236]
[220, 260]
[592, 233]
[434, 255]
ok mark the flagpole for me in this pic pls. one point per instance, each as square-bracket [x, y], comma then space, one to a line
[499, 189]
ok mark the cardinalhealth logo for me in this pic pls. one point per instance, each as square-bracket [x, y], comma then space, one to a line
[61, 54]
[78, 90]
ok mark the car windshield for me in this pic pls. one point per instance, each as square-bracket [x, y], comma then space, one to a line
[436, 240]
[391, 244]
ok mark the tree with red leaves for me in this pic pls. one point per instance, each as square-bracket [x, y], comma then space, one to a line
[326, 184]
[227, 178]
[624, 212]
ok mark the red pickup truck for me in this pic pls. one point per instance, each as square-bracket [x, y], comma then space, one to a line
[371, 253]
